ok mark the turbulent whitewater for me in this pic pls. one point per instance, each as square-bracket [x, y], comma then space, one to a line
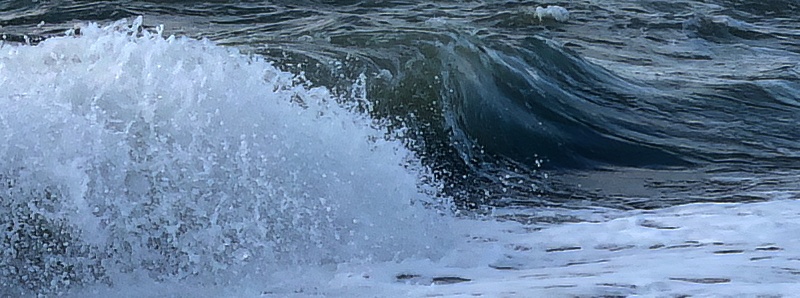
[127, 152]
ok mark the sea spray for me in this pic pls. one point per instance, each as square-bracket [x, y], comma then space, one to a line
[125, 153]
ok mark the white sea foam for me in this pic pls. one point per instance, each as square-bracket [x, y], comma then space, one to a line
[701, 250]
[554, 12]
[175, 158]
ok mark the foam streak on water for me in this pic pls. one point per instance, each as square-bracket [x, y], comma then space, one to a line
[127, 154]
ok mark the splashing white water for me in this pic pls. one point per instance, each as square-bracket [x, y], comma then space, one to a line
[127, 154]
[554, 12]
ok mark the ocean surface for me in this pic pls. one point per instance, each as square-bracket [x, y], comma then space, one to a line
[157, 148]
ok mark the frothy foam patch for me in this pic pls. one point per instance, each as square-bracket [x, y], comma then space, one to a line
[554, 12]
[125, 155]
[698, 250]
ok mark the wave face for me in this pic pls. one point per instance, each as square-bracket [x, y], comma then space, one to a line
[509, 108]
[124, 152]
[687, 102]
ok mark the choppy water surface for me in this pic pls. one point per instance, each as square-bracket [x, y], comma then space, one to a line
[628, 104]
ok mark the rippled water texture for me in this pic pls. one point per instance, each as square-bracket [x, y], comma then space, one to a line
[627, 104]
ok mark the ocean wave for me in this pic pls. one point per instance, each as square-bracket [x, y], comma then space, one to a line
[314, 137]
[127, 153]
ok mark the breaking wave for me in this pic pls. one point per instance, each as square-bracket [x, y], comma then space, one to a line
[125, 153]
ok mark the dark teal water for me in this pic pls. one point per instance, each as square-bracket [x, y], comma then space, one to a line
[669, 98]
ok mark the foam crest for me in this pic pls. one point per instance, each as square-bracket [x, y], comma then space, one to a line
[554, 12]
[125, 152]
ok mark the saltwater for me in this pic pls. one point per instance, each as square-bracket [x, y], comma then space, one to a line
[399, 148]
